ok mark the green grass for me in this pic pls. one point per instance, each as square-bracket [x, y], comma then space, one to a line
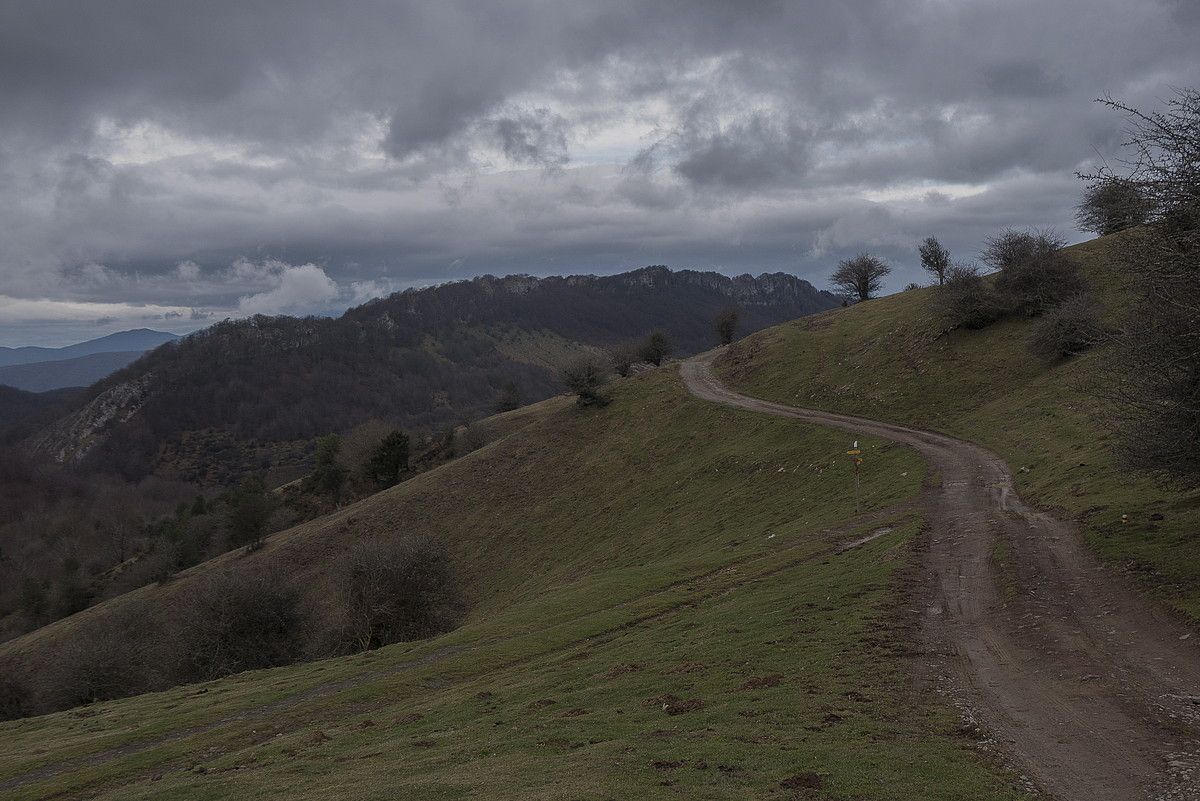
[659, 547]
[883, 359]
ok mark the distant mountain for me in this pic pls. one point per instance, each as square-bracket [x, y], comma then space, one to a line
[139, 340]
[421, 359]
[82, 371]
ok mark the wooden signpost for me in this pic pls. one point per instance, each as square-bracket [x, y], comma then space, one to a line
[856, 454]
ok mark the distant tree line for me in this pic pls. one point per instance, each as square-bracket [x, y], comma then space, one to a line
[69, 540]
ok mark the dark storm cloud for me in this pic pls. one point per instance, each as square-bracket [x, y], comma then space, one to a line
[761, 149]
[389, 143]
[533, 137]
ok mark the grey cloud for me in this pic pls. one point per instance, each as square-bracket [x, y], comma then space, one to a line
[1021, 79]
[759, 150]
[138, 135]
[533, 137]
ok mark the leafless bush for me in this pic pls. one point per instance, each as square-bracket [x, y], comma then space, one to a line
[109, 657]
[1067, 330]
[1113, 205]
[16, 699]
[236, 621]
[393, 591]
[1034, 276]
[624, 357]
[964, 300]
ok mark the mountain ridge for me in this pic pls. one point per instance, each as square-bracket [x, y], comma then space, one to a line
[421, 359]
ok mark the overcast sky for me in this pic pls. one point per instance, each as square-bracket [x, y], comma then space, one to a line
[167, 164]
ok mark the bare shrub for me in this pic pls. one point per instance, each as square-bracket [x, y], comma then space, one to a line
[509, 399]
[393, 591]
[109, 657]
[586, 377]
[236, 621]
[1034, 276]
[16, 698]
[965, 300]
[1067, 330]
[624, 357]
[1113, 205]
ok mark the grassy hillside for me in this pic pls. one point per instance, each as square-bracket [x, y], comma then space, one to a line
[660, 609]
[883, 359]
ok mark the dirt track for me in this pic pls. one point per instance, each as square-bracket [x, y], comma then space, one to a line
[1091, 691]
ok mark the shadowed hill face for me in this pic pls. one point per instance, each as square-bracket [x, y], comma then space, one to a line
[421, 359]
[20, 409]
[16, 404]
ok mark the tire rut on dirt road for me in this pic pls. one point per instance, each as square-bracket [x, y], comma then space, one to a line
[1091, 690]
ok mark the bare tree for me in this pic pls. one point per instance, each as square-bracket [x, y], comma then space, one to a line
[726, 324]
[860, 277]
[934, 258]
[1153, 375]
[656, 348]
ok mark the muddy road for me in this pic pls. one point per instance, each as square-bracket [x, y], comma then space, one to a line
[1091, 691]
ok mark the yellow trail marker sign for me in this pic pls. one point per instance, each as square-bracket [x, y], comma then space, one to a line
[853, 452]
